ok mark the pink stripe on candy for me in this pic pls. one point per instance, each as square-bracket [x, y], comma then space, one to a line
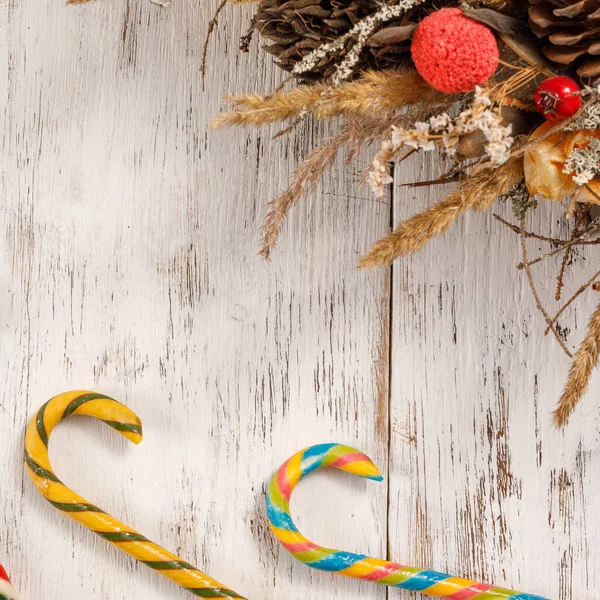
[283, 481]
[347, 459]
[383, 572]
[3, 574]
[471, 591]
[300, 547]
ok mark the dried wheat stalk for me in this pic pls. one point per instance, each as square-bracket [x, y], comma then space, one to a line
[375, 92]
[477, 193]
[356, 130]
[304, 178]
[581, 370]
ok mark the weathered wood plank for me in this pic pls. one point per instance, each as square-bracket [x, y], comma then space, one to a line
[128, 266]
[482, 484]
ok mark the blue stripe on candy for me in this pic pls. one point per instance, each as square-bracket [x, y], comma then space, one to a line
[313, 457]
[528, 597]
[338, 561]
[423, 580]
[278, 517]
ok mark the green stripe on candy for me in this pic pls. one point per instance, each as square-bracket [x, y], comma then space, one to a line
[41, 428]
[313, 555]
[40, 471]
[212, 593]
[336, 452]
[81, 400]
[76, 508]
[400, 577]
[172, 565]
[125, 427]
[122, 537]
[277, 497]
[497, 594]
[3, 597]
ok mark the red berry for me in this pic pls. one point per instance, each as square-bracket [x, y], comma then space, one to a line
[558, 98]
[452, 52]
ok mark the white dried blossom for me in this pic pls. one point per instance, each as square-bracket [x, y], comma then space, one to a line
[481, 98]
[442, 121]
[442, 130]
[481, 116]
[361, 32]
[590, 115]
[584, 163]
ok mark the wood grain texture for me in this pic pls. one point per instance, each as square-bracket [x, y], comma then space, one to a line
[128, 266]
[483, 485]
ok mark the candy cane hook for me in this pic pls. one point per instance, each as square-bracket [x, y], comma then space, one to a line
[358, 566]
[127, 423]
[7, 592]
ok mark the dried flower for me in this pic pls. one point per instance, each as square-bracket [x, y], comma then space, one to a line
[584, 162]
[548, 171]
[590, 115]
[442, 130]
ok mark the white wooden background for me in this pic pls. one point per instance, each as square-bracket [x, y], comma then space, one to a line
[129, 234]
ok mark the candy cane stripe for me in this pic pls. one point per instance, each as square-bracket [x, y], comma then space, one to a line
[357, 566]
[80, 401]
[76, 507]
[39, 423]
[124, 427]
[126, 536]
[167, 565]
[40, 471]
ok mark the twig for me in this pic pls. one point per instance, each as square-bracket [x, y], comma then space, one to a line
[211, 27]
[576, 295]
[565, 261]
[529, 234]
[535, 236]
[539, 304]
[594, 227]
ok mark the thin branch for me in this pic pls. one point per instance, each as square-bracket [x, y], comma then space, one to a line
[543, 238]
[574, 297]
[211, 27]
[539, 304]
[594, 227]
[529, 234]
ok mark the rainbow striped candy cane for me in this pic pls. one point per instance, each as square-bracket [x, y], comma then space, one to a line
[126, 422]
[7, 592]
[358, 566]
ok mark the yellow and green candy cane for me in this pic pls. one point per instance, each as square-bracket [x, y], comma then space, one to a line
[126, 422]
[7, 592]
[358, 566]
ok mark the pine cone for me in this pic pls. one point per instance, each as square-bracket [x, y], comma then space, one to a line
[297, 27]
[572, 32]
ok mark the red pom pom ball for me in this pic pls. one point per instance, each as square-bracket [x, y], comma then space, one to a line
[454, 53]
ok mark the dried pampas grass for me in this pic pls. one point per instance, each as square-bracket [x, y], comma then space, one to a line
[380, 92]
[476, 193]
[355, 131]
[304, 178]
[584, 363]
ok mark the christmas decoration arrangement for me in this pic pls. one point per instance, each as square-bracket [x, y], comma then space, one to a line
[504, 90]
[123, 420]
[358, 566]
[7, 592]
